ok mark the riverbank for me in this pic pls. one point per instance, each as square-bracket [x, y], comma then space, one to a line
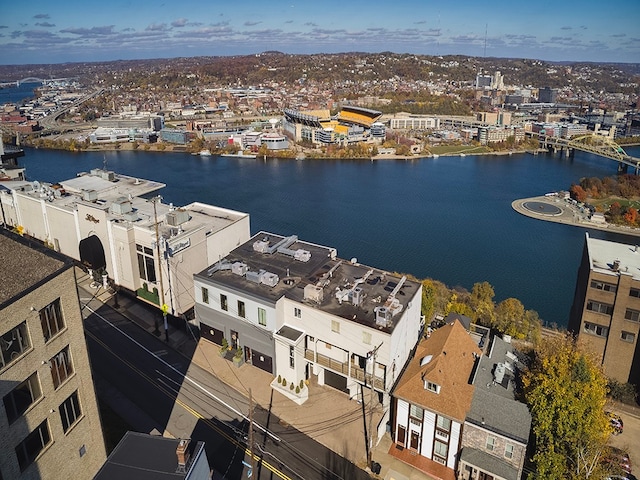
[554, 209]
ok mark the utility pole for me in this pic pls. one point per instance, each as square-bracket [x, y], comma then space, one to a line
[251, 440]
[371, 355]
[163, 306]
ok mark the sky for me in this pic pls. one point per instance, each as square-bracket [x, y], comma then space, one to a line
[61, 31]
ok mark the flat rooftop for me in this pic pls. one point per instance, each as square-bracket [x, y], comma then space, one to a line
[122, 198]
[321, 280]
[613, 258]
[23, 265]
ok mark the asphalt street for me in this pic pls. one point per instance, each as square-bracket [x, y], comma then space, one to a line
[153, 387]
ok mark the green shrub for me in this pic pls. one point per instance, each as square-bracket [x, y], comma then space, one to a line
[622, 392]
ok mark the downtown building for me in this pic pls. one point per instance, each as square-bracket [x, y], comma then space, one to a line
[296, 310]
[105, 221]
[605, 314]
[49, 415]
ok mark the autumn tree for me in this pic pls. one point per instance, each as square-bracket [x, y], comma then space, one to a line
[481, 301]
[565, 390]
[578, 193]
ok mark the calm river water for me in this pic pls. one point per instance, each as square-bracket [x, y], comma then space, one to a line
[449, 218]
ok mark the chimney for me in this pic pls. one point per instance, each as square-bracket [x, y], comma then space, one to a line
[182, 454]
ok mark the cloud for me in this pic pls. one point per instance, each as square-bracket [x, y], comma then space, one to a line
[157, 27]
[45, 24]
[310, 24]
[180, 22]
[289, 21]
[90, 32]
[618, 35]
[42, 16]
[4, 26]
[566, 28]
[420, 22]
[251, 24]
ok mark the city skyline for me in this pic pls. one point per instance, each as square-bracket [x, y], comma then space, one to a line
[37, 32]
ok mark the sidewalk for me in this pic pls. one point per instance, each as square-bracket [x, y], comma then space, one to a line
[328, 416]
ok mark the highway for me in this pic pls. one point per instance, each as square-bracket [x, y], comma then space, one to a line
[153, 387]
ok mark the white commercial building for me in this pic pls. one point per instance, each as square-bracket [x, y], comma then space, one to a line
[100, 219]
[295, 310]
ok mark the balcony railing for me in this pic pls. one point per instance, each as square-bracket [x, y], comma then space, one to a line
[343, 367]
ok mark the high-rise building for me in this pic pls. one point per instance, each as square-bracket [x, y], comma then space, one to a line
[547, 95]
[606, 306]
[49, 415]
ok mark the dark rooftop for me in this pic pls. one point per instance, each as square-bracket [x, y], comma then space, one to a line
[24, 264]
[317, 278]
[139, 456]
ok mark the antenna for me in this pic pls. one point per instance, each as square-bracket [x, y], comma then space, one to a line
[486, 25]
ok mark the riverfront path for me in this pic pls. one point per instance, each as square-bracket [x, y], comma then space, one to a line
[554, 209]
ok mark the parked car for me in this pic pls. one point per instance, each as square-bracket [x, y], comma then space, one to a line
[616, 423]
[617, 460]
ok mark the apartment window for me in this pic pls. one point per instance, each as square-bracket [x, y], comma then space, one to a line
[51, 319]
[224, 305]
[491, 443]
[508, 450]
[262, 317]
[599, 307]
[292, 356]
[597, 330]
[18, 400]
[13, 344]
[633, 315]
[628, 337]
[205, 295]
[634, 292]
[241, 310]
[607, 287]
[416, 412]
[335, 326]
[30, 447]
[61, 367]
[70, 411]
[440, 450]
[366, 338]
[297, 312]
[146, 263]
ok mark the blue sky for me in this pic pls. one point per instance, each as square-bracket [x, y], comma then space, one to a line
[36, 31]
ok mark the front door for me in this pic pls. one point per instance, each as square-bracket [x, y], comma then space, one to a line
[415, 440]
[402, 435]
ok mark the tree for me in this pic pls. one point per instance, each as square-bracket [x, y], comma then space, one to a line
[481, 300]
[510, 317]
[578, 193]
[565, 390]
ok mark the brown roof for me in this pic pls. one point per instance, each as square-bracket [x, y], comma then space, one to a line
[452, 360]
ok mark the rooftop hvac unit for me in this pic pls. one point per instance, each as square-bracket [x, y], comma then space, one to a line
[269, 279]
[177, 217]
[108, 175]
[357, 296]
[261, 246]
[302, 255]
[89, 195]
[383, 316]
[121, 206]
[239, 268]
[254, 276]
[313, 293]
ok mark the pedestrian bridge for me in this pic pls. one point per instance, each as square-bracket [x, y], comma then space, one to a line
[592, 143]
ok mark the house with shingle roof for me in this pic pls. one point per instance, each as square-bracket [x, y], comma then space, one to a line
[496, 429]
[433, 397]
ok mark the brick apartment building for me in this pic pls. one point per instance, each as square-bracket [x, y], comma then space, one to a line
[49, 415]
[606, 307]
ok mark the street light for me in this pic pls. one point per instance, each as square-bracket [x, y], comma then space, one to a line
[163, 306]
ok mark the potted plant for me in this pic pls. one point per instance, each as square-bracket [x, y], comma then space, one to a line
[224, 347]
[237, 357]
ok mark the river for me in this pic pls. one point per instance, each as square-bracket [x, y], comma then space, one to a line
[449, 218]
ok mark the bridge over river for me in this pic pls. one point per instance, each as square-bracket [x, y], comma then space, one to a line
[593, 143]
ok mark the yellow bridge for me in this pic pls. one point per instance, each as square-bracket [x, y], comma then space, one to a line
[596, 144]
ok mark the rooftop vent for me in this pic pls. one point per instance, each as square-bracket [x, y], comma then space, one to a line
[89, 195]
[239, 268]
[383, 316]
[616, 265]
[121, 206]
[498, 374]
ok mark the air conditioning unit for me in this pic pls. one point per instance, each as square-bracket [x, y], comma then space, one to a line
[177, 217]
